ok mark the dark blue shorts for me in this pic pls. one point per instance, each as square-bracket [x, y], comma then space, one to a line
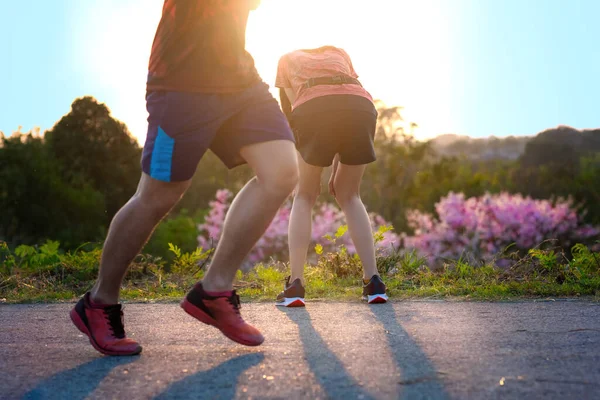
[182, 126]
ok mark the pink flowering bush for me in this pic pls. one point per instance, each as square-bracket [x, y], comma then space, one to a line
[484, 226]
[327, 219]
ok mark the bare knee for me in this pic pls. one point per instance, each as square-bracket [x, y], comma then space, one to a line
[281, 179]
[346, 197]
[309, 195]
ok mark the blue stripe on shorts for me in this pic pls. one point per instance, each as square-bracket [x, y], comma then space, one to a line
[162, 156]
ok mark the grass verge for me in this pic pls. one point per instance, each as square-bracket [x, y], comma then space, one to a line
[45, 275]
[265, 282]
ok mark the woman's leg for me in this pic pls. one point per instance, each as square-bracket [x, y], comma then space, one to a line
[347, 191]
[300, 227]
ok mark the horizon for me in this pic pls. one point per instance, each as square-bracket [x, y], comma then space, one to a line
[453, 66]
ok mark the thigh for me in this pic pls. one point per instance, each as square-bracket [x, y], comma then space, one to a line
[272, 161]
[258, 119]
[309, 178]
[348, 178]
[156, 191]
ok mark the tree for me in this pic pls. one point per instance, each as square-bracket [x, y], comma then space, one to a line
[389, 180]
[95, 149]
[36, 203]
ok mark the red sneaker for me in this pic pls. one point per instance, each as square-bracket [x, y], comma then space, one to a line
[222, 312]
[104, 326]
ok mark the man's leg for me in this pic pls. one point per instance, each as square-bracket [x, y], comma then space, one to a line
[98, 314]
[129, 231]
[213, 301]
[253, 209]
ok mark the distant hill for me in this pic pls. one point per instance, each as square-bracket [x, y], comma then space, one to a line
[559, 144]
[508, 148]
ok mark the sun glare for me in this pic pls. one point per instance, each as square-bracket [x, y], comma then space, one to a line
[399, 49]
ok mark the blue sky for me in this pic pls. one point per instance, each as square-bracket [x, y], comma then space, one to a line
[509, 66]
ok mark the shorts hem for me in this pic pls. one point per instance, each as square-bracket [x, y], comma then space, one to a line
[170, 180]
[316, 163]
[359, 162]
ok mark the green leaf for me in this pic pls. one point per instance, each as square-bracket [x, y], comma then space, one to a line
[50, 248]
[174, 249]
[25, 251]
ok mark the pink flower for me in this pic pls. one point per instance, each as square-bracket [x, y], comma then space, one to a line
[485, 225]
[274, 243]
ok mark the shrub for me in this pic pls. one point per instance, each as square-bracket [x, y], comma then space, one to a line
[273, 245]
[485, 226]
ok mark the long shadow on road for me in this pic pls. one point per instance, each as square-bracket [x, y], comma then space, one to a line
[219, 382]
[79, 382]
[420, 380]
[324, 364]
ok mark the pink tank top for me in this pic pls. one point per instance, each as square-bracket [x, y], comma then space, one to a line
[297, 67]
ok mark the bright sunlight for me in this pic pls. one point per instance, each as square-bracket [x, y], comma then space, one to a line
[399, 49]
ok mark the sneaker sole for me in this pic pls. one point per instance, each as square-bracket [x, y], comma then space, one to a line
[376, 299]
[79, 324]
[291, 302]
[208, 320]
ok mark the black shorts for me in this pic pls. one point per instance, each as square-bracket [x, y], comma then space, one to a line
[328, 125]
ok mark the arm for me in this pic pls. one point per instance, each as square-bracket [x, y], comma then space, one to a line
[286, 94]
[290, 94]
[286, 104]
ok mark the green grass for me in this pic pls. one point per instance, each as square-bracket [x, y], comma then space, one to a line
[265, 283]
[44, 274]
[319, 289]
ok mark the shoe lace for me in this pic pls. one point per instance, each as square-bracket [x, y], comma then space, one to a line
[114, 315]
[234, 300]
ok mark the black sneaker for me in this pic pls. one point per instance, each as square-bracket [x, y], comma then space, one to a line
[292, 295]
[374, 291]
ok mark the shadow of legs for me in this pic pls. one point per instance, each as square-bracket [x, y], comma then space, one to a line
[219, 382]
[326, 367]
[420, 380]
[79, 382]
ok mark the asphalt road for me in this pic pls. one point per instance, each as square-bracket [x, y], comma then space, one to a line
[406, 350]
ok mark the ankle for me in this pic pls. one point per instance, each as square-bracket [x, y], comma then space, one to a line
[99, 298]
[294, 277]
[216, 285]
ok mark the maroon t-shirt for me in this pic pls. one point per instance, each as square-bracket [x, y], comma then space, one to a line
[200, 46]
